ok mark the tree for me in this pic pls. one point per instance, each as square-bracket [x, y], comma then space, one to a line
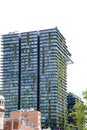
[78, 115]
[85, 97]
[84, 93]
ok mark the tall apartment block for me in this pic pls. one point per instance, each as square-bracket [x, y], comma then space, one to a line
[34, 66]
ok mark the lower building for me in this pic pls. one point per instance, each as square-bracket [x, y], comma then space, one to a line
[71, 101]
[2, 111]
[24, 120]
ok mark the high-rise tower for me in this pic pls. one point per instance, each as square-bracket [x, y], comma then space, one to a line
[35, 74]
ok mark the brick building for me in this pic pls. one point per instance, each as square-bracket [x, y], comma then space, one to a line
[23, 120]
[2, 111]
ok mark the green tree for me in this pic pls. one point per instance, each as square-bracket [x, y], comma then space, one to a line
[78, 115]
[84, 93]
[85, 97]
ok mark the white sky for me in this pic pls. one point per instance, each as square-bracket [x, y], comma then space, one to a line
[70, 16]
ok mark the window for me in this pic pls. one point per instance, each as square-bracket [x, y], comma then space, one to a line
[43, 60]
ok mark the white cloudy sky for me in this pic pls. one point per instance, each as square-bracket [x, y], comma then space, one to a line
[70, 16]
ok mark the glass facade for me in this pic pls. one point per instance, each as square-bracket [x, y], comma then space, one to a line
[10, 71]
[29, 70]
[43, 74]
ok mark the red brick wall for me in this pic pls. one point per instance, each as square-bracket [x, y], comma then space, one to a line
[33, 117]
[15, 114]
[16, 125]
